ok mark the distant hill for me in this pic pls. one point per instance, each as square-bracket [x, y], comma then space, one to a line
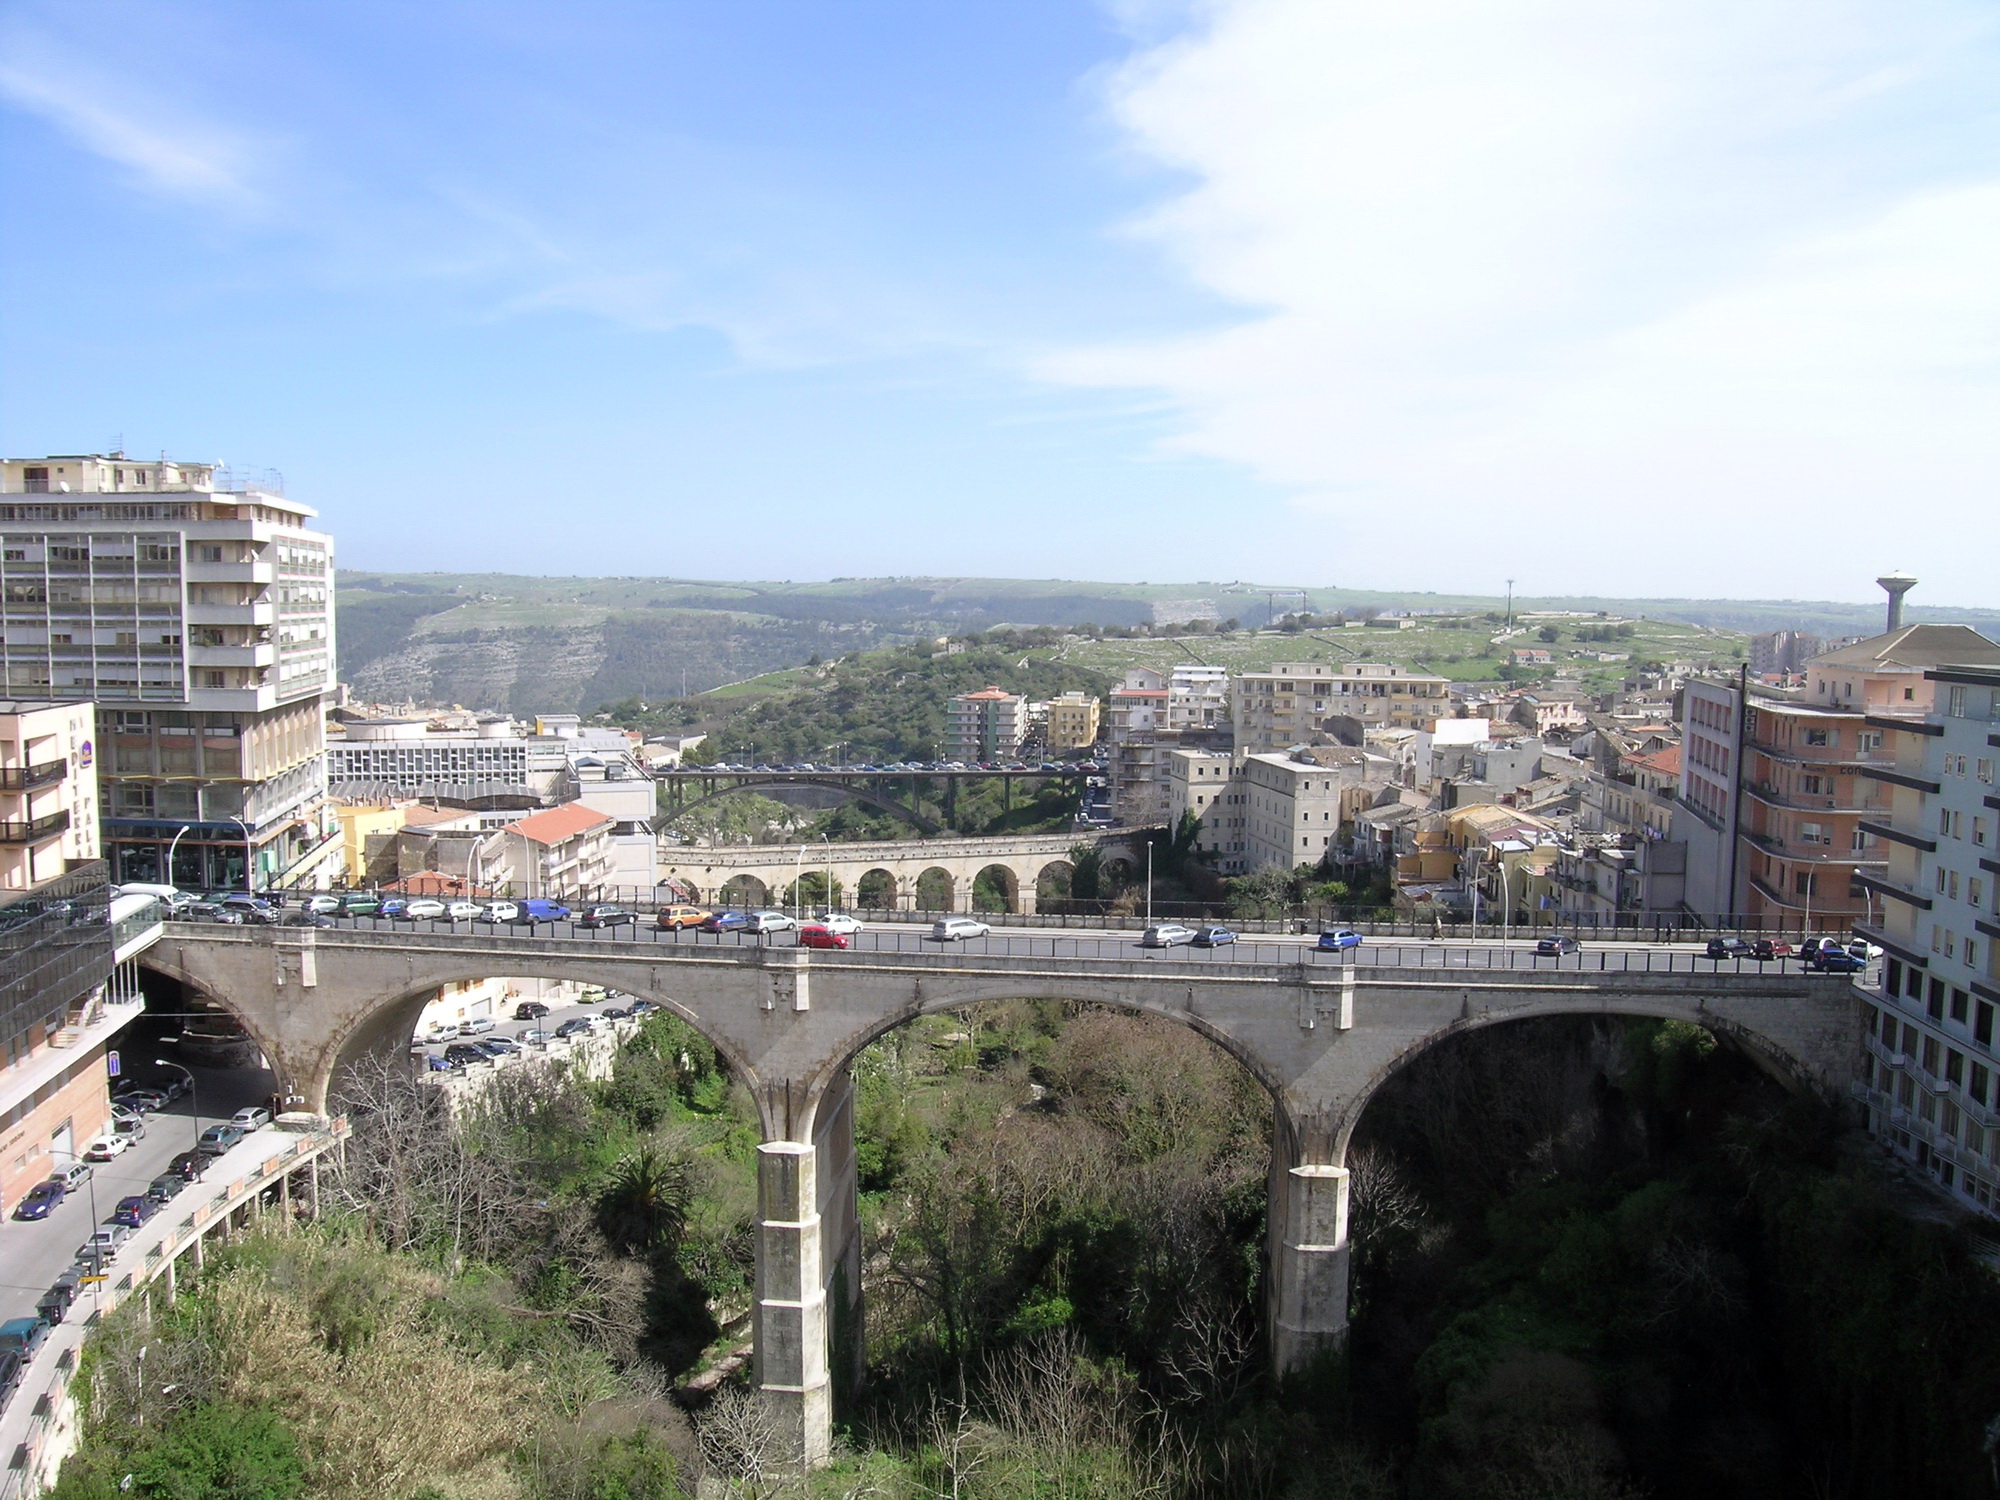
[508, 642]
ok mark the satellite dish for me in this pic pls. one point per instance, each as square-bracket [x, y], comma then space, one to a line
[63, 485]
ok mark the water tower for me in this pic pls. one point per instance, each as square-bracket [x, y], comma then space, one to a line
[1896, 585]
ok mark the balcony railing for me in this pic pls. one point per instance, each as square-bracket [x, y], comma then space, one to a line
[28, 778]
[34, 830]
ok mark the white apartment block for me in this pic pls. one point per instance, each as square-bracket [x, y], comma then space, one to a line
[1299, 703]
[1198, 781]
[196, 611]
[1931, 1071]
[1260, 811]
[48, 791]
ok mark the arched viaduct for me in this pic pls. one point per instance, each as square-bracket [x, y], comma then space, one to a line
[1321, 1035]
[899, 864]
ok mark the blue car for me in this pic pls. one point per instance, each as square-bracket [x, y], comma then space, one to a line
[1338, 940]
[395, 906]
[726, 921]
[133, 1211]
[1836, 961]
[40, 1199]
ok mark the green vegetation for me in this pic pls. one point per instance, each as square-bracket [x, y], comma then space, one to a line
[1591, 1259]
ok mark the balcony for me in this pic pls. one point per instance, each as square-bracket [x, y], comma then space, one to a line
[34, 830]
[1891, 890]
[231, 572]
[28, 778]
[231, 614]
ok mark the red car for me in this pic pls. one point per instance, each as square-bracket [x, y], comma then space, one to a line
[812, 935]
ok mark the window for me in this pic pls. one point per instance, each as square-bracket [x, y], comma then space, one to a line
[1978, 829]
[1985, 771]
[1819, 737]
[213, 678]
[1959, 1000]
[1955, 703]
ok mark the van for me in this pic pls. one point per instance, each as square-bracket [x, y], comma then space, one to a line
[174, 897]
[535, 909]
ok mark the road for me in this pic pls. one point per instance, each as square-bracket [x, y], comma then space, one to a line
[1606, 956]
[32, 1255]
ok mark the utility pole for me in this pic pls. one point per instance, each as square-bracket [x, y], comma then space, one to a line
[1510, 604]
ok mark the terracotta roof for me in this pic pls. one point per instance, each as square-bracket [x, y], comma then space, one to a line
[560, 823]
[430, 883]
[1667, 762]
[423, 817]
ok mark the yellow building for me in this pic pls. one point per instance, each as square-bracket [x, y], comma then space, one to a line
[359, 821]
[1073, 721]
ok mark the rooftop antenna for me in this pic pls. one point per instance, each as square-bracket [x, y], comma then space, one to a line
[1896, 585]
[118, 445]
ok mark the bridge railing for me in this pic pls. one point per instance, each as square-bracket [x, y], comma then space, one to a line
[906, 939]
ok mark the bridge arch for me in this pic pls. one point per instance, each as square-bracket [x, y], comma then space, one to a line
[936, 889]
[164, 964]
[874, 799]
[743, 890]
[876, 890]
[1054, 882]
[996, 882]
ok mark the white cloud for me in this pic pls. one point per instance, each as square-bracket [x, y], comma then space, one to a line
[168, 154]
[1652, 296]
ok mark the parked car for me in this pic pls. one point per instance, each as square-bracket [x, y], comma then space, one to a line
[303, 918]
[535, 909]
[1212, 937]
[957, 929]
[1766, 949]
[218, 1139]
[534, 1036]
[814, 935]
[725, 921]
[607, 916]
[251, 1117]
[1836, 961]
[530, 1010]
[425, 910]
[643, 1007]
[40, 1200]
[103, 1242]
[577, 1026]
[1727, 947]
[132, 1128]
[1862, 949]
[134, 1210]
[165, 1188]
[1166, 935]
[189, 1165]
[840, 922]
[498, 1046]
[500, 911]
[476, 1026]
[1556, 947]
[360, 904]
[1338, 940]
[464, 1054]
[769, 921]
[23, 1336]
[394, 908]
[106, 1147]
[72, 1175]
[675, 918]
[324, 906]
[463, 911]
[144, 1100]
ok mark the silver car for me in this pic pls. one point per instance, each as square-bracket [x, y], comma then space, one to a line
[957, 929]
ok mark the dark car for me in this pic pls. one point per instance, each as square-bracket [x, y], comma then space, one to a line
[530, 1010]
[219, 1138]
[463, 1054]
[643, 1007]
[23, 1336]
[617, 1013]
[575, 1026]
[134, 1211]
[1729, 947]
[304, 918]
[1556, 947]
[726, 921]
[1836, 961]
[606, 916]
[188, 1166]
[165, 1188]
[40, 1199]
[1211, 937]
[1766, 949]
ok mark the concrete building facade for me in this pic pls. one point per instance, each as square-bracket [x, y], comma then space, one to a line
[199, 618]
[1300, 703]
[984, 726]
[1073, 721]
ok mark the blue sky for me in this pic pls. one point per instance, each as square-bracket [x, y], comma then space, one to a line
[1699, 298]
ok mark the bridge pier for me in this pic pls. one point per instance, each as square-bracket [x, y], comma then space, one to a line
[1309, 1254]
[808, 1330]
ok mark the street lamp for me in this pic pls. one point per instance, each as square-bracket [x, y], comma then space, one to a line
[249, 858]
[1149, 882]
[97, 1260]
[194, 1104]
[169, 879]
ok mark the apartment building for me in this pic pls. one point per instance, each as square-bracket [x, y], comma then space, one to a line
[195, 608]
[463, 760]
[1197, 697]
[1302, 703]
[984, 726]
[564, 852]
[1073, 721]
[1198, 782]
[1260, 811]
[1931, 1070]
[48, 791]
[1779, 787]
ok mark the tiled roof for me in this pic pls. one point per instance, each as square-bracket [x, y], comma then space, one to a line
[560, 823]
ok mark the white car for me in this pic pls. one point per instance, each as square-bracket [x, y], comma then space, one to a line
[840, 922]
[251, 1117]
[425, 910]
[1166, 935]
[477, 1026]
[325, 906]
[957, 929]
[105, 1147]
[500, 911]
[1864, 950]
[464, 911]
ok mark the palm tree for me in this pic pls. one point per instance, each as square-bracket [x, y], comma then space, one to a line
[644, 1205]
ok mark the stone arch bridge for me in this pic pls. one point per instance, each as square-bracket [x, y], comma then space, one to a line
[757, 874]
[1321, 1034]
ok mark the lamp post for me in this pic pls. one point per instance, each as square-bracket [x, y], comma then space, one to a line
[97, 1261]
[1149, 882]
[798, 895]
[194, 1102]
[169, 880]
[249, 858]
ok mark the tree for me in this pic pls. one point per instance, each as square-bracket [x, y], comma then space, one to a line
[644, 1207]
[223, 1453]
[1549, 634]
